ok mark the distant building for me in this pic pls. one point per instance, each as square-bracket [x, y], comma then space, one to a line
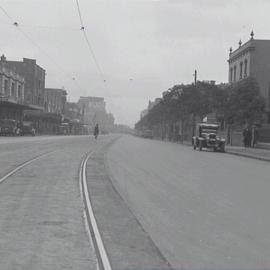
[252, 59]
[55, 100]
[94, 112]
[34, 77]
[72, 111]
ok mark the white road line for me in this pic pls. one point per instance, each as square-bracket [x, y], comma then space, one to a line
[22, 166]
[101, 249]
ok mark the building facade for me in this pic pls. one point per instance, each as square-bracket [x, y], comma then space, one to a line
[252, 59]
[11, 92]
[94, 112]
[11, 83]
[34, 76]
[55, 100]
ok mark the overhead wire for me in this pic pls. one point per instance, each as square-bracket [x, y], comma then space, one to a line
[88, 42]
[91, 50]
[19, 28]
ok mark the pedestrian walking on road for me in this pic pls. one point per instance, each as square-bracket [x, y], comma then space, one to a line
[96, 131]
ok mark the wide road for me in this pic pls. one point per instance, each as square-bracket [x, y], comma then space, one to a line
[201, 209]
[157, 205]
[41, 210]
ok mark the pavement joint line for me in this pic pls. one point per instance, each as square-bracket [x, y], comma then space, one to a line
[103, 259]
[3, 178]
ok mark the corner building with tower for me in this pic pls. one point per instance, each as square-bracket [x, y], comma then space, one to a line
[252, 59]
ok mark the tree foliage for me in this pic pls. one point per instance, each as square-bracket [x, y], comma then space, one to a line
[238, 103]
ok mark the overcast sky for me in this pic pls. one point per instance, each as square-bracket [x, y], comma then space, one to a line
[143, 47]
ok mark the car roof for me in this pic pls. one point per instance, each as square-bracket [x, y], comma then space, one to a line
[208, 125]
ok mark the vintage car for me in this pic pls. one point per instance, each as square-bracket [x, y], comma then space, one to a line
[207, 137]
[9, 127]
[63, 129]
[147, 133]
[27, 128]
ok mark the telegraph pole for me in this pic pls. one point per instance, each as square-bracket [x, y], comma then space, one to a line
[193, 115]
[195, 77]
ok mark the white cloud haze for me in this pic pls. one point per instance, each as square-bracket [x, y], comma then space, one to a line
[155, 43]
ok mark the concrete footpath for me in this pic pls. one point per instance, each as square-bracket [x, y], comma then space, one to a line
[262, 152]
[256, 153]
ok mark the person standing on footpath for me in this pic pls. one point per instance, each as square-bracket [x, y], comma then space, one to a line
[254, 136]
[96, 131]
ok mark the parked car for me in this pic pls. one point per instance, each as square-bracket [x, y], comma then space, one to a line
[9, 127]
[207, 137]
[63, 129]
[27, 128]
[147, 133]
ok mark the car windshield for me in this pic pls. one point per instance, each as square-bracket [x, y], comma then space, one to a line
[134, 134]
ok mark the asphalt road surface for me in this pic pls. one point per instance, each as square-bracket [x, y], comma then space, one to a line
[158, 205]
[41, 224]
[201, 209]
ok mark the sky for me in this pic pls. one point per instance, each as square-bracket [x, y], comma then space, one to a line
[142, 47]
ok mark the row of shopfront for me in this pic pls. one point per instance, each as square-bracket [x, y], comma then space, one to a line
[43, 122]
[23, 97]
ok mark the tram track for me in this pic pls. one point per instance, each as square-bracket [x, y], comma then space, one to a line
[90, 220]
[24, 164]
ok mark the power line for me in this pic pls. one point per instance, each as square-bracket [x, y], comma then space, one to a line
[16, 24]
[89, 44]
[95, 59]
[80, 14]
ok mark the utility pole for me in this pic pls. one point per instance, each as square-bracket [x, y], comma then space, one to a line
[195, 77]
[193, 115]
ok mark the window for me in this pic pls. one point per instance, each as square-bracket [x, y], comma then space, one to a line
[6, 87]
[269, 96]
[231, 74]
[241, 70]
[13, 89]
[19, 91]
[245, 70]
[234, 73]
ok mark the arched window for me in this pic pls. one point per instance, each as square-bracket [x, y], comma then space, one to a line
[241, 70]
[231, 74]
[245, 68]
[234, 73]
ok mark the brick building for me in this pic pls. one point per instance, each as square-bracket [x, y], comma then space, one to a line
[55, 100]
[11, 92]
[252, 59]
[34, 77]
